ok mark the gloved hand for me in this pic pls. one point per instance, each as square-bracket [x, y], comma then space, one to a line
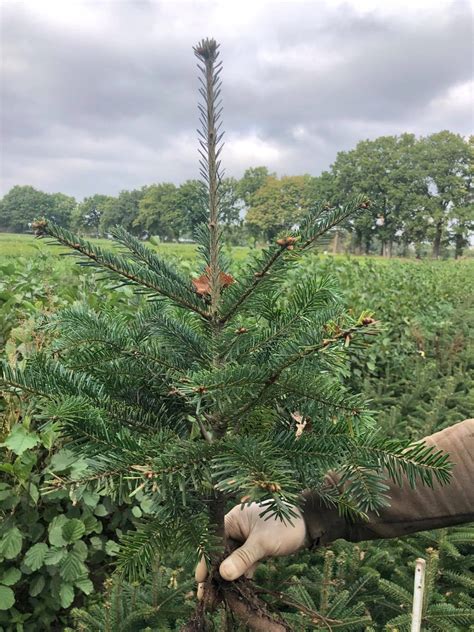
[261, 538]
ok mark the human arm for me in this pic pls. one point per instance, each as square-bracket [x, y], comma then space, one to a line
[410, 510]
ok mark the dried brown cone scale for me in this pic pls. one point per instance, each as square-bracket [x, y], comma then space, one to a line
[202, 284]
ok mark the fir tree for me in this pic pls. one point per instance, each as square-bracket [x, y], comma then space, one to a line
[220, 390]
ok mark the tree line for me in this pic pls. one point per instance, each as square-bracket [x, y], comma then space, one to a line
[421, 189]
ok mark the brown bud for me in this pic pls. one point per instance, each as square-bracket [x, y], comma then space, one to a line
[368, 320]
[287, 242]
[271, 487]
[241, 330]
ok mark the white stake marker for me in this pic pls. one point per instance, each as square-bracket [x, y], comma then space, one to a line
[418, 590]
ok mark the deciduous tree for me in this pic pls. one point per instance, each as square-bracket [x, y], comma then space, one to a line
[280, 203]
[159, 213]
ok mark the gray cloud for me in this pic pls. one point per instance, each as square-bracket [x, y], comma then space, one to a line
[97, 97]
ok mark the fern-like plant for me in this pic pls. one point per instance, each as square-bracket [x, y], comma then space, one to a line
[218, 391]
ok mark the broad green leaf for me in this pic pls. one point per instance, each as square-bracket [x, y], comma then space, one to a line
[54, 556]
[55, 530]
[34, 557]
[34, 493]
[49, 436]
[10, 576]
[7, 598]
[78, 468]
[62, 460]
[91, 523]
[10, 543]
[67, 460]
[101, 510]
[112, 548]
[66, 595]
[73, 530]
[36, 531]
[90, 498]
[36, 585]
[96, 542]
[20, 439]
[80, 547]
[72, 567]
[5, 490]
[85, 585]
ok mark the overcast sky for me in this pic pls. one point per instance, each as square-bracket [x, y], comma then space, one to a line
[101, 95]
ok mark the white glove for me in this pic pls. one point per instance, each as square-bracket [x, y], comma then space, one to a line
[261, 539]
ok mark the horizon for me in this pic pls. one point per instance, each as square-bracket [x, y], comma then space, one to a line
[100, 97]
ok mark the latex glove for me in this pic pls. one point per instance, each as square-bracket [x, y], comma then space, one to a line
[261, 539]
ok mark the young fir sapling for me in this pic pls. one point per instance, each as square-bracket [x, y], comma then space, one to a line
[220, 390]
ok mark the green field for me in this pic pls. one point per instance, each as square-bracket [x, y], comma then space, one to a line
[418, 373]
[17, 245]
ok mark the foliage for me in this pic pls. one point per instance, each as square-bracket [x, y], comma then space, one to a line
[420, 370]
[22, 204]
[421, 191]
[55, 545]
[280, 204]
[156, 604]
[88, 214]
[412, 394]
[369, 586]
[122, 210]
[159, 214]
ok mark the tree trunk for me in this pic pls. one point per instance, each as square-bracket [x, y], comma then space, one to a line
[357, 242]
[367, 245]
[437, 241]
[459, 246]
[335, 243]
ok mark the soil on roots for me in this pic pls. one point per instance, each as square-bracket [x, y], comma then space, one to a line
[240, 602]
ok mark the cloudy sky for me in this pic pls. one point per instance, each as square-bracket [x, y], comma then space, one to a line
[101, 95]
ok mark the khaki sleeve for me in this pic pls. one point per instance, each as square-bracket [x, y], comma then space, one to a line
[410, 509]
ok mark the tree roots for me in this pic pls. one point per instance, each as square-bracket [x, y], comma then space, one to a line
[240, 602]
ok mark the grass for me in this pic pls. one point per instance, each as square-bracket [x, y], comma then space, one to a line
[13, 245]
[16, 245]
